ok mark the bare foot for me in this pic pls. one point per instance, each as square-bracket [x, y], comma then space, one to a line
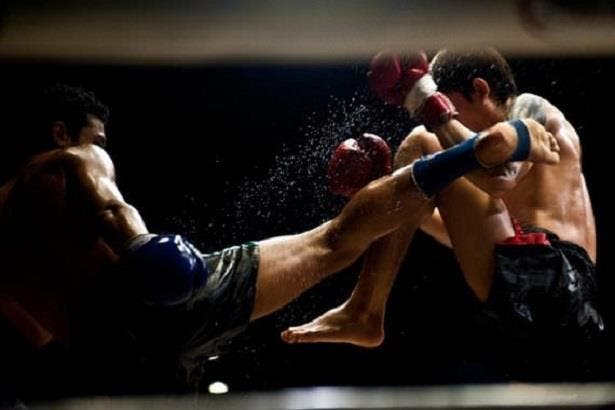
[498, 144]
[338, 325]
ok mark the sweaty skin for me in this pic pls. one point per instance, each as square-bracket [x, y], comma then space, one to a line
[64, 221]
[563, 204]
[549, 195]
[360, 319]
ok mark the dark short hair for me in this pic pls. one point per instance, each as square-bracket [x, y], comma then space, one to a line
[71, 105]
[455, 70]
[32, 115]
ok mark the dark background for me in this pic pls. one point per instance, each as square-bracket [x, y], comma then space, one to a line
[227, 154]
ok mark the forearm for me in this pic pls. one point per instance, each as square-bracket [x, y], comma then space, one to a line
[496, 181]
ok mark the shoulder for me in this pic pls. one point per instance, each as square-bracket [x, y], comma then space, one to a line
[78, 155]
[529, 105]
[52, 167]
[89, 153]
[565, 133]
[89, 158]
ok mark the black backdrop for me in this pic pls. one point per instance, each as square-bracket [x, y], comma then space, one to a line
[226, 154]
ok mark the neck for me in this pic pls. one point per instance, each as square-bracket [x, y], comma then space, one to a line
[508, 106]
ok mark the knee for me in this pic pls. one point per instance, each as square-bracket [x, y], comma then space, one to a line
[497, 128]
[418, 143]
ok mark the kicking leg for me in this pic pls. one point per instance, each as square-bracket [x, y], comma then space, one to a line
[292, 264]
[360, 320]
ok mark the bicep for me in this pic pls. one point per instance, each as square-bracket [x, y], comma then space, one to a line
[540, 109]
[557, 124]
[93, 195]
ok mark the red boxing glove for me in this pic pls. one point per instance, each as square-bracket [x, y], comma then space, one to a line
[391, 77]
[379, 152]
[356, 162]
[405, 81]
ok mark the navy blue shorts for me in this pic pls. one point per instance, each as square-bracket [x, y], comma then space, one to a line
[184, 335]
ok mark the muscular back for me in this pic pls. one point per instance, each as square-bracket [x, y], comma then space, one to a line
[57, 216]
[44, 232]
[554, 197]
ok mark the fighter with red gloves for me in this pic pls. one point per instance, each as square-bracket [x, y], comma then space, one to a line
[530, 282]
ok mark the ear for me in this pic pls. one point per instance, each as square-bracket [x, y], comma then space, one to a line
[481, 88]
[59, 134]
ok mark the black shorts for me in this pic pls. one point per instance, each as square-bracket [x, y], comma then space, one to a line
[543, 307]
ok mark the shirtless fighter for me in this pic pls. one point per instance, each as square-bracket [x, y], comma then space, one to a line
[523, 233]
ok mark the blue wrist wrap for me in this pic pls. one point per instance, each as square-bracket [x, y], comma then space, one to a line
[522, 152]
[164, 270]
[434, 172]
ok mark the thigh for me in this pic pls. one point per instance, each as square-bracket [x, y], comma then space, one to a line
[224, 305]
[475, 221]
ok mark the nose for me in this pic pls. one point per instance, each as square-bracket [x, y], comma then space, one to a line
[101, 140]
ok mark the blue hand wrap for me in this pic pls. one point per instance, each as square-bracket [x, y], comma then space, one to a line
[522, 152]
[164, 269]
[434, 172]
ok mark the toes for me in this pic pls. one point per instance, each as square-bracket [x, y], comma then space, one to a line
[295, 334]
[288, 336]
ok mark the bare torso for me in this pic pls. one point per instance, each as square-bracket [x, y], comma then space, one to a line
[555, 197]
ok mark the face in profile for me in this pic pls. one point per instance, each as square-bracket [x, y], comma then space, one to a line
[92, 133]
